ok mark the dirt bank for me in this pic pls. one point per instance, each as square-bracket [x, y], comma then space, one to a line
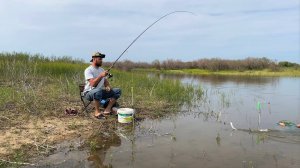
[38, 135]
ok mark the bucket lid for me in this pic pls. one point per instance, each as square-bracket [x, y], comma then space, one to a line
[125, 111]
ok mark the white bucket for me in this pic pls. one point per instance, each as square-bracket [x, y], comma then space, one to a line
[125, 115]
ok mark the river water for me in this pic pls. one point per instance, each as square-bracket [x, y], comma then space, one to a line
[201, 135]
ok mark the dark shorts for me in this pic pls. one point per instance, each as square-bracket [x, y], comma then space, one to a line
[100, 94]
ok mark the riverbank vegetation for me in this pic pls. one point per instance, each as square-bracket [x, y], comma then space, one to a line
[215, 66]
[265, 72]
[35, 83]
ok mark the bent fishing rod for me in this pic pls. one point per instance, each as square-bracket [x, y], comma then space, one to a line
[143, 33]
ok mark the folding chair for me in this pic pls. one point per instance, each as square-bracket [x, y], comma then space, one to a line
[85, 102]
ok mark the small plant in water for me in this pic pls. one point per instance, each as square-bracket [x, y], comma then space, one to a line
[225, 101]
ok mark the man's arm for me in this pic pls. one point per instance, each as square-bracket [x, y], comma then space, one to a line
[94, 81]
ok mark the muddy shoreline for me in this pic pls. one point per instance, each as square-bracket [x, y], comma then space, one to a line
[38, 137]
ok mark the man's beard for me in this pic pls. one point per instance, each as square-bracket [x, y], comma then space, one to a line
[98, 64]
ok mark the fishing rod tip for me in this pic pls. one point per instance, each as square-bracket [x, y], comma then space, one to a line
[186, 12]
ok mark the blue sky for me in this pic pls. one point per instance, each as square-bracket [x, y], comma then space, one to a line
[226, 29]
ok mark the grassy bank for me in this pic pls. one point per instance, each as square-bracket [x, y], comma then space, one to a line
[39, 86]
[293, 72]
[35, 91]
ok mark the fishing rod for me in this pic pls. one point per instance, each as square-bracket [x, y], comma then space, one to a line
[143, 33]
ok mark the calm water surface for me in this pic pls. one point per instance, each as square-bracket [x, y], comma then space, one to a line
[201, 136]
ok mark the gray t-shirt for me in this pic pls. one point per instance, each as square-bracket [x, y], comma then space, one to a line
[92, 72]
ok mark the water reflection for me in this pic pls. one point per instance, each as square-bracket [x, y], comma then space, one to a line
[221, 79]
[99, 145]
[218, 139]
[78, 152]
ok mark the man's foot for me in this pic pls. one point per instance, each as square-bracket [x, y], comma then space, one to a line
[112, 112]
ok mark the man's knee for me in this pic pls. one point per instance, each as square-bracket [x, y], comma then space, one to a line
[94, 95]
[98, 95]
[117, 92]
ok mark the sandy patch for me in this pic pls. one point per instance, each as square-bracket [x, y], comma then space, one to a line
[40, 132]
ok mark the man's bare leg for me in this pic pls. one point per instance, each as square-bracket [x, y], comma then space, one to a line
[97, 107]
[112, 101]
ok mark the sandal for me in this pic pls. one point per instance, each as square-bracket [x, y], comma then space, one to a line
[100, 116]
[107, 113]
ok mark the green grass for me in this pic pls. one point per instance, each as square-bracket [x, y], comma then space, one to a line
[154, 97]
[38, 86]
[7, 93]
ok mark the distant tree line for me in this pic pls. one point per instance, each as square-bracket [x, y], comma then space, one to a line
[214, 64]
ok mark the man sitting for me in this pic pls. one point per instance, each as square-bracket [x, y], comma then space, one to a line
[97, 86]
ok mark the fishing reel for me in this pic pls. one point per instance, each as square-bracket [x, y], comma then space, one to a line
[110, 75]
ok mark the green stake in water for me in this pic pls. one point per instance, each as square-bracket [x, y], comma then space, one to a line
[258, 105]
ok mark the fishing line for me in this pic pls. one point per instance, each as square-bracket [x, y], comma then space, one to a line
[144, 32]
